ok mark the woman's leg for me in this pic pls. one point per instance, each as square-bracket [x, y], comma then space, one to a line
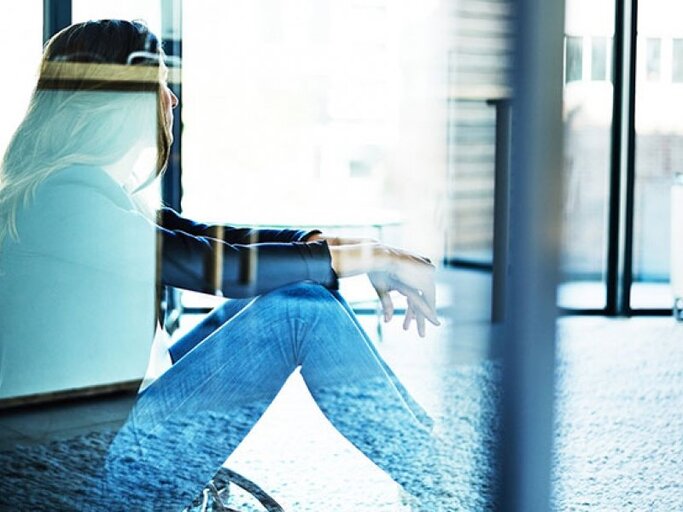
[188, 421]
[365, 401]
[417, 409]
[207, 326]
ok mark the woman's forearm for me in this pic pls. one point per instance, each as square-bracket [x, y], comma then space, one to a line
[354, 256]
[340, 240]
[360, 258]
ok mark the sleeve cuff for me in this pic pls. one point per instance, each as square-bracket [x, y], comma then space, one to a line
[305, 235]
[319, 263]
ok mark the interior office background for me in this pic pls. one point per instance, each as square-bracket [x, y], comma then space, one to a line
[348, 119]
[377, 113]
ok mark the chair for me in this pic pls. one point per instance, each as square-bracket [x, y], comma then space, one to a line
[215, 495]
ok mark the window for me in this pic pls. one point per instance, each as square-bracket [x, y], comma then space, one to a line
[677, 68]
[316, 83]
[599, 58]
[302, 116]
[148, 11]
[659, 153]
[587, 131]
[574, 59]
[653, 52]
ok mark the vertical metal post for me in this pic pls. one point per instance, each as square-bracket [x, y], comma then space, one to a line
[500, 206]
[622, 172]
[171, 185]
[56, 16]
[613, 264]
[528, 332]
[171, 34]
[630, 164]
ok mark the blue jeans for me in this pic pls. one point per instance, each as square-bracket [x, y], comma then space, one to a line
[227, 371]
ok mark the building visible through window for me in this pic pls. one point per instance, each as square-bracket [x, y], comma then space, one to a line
[574, 59]
[677, 68]
[599, 58]
[654, 59]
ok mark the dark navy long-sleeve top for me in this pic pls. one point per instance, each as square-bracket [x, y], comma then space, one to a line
[253, 261]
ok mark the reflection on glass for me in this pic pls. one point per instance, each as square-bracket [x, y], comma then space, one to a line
[588, 119]
[81, 262]
[77, 254]
[332, 115]
[659, 150]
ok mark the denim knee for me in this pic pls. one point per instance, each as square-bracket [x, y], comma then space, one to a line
[302, 291]
[305, 305]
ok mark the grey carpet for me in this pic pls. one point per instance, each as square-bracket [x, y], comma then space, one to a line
[618, 444]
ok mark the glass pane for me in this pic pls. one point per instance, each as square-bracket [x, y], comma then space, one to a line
[308, 114]
[22, 24]
[659, 152]
[588, 120]
[331, 115]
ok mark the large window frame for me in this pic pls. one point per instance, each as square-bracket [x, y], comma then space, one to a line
[620, 261]
[619, 252]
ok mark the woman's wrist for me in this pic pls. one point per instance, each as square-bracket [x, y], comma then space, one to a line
[350, 260]
[317, 236]
[382, 258]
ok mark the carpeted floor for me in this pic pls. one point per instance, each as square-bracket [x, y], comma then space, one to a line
[619, 435]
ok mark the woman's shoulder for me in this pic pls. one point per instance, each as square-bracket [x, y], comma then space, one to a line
[82, 216]
[73, 202]
[82, 180]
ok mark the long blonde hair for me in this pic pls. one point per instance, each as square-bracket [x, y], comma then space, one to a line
[97, 96]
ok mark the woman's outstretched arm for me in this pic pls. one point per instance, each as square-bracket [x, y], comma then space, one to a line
[389, 269]
[170, 219]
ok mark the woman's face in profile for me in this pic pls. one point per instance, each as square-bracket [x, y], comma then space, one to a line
[169, 101]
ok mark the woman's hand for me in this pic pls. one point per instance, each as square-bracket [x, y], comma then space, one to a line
[389, 269]
[413, 277]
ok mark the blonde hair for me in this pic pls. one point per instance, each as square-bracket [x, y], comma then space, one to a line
[85, 110]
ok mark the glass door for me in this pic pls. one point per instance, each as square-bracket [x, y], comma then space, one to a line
[659, 155]
[588, 92]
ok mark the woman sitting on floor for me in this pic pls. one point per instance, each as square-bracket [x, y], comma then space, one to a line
[81, 264]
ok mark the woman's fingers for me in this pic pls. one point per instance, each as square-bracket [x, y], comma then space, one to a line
[419, 318]
[426, 310]
[408, 318]
[413, 278]
[429, 295]
[387, 305]
[380, 282]
[418, 301]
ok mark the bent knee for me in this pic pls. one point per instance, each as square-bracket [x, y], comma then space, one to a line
[303, 290]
